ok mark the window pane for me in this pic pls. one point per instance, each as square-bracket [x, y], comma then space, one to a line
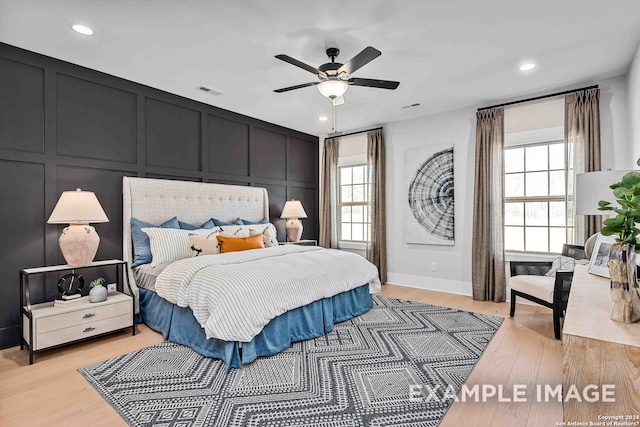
[358, 214]
[358, 193]
[537, 158]
[570, 214]
[556, 183]
[536, 213]
[346, 231]
[514, 185]
[514, 160]
[358, 232]
[514, 214]
[557, 237]
[537, 184]
[514, 238]
[537, 239]
[346, 214]
[358, 174]
[556, 156]
[345, 176]
[346, 194]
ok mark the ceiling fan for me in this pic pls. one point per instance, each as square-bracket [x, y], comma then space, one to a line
[335, 78]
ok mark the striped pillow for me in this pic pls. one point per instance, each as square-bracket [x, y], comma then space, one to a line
[168, 244]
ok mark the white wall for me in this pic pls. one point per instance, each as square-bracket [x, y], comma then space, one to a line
[633, 82]
[411, 264]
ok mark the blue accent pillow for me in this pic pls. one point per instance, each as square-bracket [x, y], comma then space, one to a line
[217, 222]
[187, 226]
[141, 245]
[264, 220]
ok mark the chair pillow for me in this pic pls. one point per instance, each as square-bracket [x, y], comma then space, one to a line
[234, 244]
[564, 263]
[141, 247]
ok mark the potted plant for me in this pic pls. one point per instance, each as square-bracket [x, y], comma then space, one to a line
[98, 292]
[622, 257]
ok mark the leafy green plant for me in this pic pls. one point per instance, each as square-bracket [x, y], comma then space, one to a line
[98, 282]
[623, 225]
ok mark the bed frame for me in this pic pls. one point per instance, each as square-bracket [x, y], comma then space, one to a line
[157, 200]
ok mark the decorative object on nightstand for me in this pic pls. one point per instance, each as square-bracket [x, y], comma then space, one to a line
[79, 241]
[70, 286]
[625, 291]
[98, 293]
[292, 211]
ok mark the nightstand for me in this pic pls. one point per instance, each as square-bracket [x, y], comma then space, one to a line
[302, 243]
[45, 325]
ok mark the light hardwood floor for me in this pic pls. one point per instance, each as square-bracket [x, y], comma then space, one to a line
[52, 393]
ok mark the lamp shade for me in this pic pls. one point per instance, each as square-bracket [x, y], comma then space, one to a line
[293, 209]
[333, 88]
[77, 207]
[591, 187]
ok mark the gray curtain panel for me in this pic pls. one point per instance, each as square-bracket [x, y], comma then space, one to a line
[487, 245]
[377, 246]
[582, 134]
[329, 194]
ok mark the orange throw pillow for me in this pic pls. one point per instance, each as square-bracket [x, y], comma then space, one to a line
[234, 244]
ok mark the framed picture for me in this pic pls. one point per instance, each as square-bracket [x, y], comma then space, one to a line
[599, 263]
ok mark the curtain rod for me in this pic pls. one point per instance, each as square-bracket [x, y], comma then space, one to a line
[535, 98]
[353, 133]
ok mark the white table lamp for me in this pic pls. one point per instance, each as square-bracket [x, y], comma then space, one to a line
[79, 241]
[292, 211]
[591, 187]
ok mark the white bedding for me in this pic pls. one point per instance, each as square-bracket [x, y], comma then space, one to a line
[234, 295]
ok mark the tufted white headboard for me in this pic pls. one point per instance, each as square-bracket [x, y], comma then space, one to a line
[157, 200]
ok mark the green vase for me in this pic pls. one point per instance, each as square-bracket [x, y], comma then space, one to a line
[625, 292]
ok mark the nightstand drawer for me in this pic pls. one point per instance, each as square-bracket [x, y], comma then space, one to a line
[82, 316]
[77, 332]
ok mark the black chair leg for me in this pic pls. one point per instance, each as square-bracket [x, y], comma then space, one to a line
[512, 311]
[556, 323]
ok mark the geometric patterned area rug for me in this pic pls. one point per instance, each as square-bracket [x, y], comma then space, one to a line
[370, 371]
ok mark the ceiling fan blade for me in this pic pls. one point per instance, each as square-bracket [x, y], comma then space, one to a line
[338, 101]
[309, 68]
[367, 55]
[286, 89]
[382, 84]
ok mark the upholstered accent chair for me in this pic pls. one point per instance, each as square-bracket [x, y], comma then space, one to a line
[528, 281]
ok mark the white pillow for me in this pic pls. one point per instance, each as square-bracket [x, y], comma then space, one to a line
[172, 244]
[564, 263]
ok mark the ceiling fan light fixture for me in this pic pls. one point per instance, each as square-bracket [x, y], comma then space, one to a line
[333, 88]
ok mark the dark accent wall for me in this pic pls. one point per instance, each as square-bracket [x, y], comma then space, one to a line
[64, 126]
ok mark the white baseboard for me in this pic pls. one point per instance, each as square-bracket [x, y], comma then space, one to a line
[441, 285]
[430, 283]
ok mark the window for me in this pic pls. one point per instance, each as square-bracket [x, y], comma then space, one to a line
[538, 213]
[355, 221]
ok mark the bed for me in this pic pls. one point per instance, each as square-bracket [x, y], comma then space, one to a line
[155, 201]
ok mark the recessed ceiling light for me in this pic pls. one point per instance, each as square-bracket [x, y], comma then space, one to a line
[82, 29]
[528, 66]
[323, 118]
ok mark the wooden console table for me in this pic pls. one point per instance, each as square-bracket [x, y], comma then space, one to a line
[597, 350]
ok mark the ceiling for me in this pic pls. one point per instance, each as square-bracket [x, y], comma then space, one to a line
[447, 54]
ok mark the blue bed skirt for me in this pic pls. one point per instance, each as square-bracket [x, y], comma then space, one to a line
[178, 324]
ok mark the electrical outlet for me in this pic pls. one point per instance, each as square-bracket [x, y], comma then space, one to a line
[433, 266]
[112, 287]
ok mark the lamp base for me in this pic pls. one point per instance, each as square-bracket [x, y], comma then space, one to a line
[79, 244]
[590, 244]
[294, 230]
